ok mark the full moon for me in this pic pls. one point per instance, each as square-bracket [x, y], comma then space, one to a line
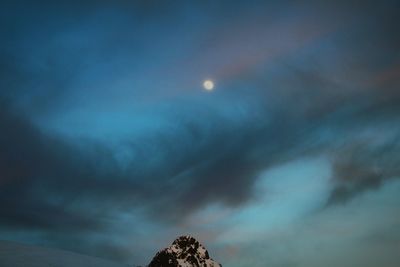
[208, 85]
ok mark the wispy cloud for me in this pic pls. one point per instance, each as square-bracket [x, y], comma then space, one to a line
[103, 126]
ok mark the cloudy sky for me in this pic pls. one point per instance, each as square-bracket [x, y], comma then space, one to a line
[110, 146]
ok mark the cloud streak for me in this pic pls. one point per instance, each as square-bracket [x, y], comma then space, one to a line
[86, 135]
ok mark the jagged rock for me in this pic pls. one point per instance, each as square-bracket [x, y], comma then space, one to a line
[185, 251]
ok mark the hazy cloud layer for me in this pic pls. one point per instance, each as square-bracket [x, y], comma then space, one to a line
[102, 114]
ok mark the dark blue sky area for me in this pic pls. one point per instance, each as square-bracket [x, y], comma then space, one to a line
[110, 145]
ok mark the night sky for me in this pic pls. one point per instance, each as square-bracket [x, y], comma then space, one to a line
[110, 146]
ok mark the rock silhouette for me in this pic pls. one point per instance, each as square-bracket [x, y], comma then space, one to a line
[185, 251]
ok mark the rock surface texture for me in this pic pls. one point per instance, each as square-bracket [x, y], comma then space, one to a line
[185, 251]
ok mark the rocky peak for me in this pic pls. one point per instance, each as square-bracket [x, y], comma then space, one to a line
[185, 251]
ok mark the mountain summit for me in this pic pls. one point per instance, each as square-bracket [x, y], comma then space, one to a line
[185, 251]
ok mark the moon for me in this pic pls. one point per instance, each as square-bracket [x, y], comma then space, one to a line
[208, 85]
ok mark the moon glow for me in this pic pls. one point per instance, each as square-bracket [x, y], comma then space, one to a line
[208, 85]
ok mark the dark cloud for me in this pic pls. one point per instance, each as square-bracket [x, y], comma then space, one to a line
[40, 175]
[340, 99]
[364, 165]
